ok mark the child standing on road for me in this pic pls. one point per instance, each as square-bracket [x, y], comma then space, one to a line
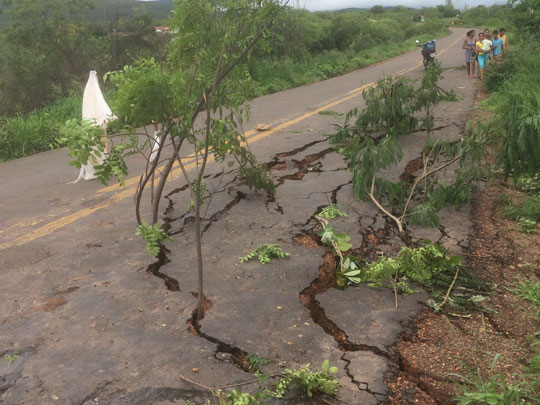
[498, 44]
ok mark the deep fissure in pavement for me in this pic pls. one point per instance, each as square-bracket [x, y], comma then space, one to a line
[215, 217]
[238, 357]
[298, 150]
[154, 268]
[324, 281]
[362, 386]
[304, 166]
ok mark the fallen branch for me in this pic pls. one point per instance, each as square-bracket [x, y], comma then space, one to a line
[204, 387]
[379, 206]
[449, 289]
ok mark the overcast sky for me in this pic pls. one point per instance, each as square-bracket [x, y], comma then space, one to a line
[314, 5]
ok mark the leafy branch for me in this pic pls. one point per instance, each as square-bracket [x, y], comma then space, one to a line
[308, 381]
[431, 266]
[395, 108]
[153, 236]
[265, 253]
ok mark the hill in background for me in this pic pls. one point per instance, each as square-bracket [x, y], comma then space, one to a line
[160, 10]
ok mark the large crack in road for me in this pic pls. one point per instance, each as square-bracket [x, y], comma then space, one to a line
[306, 234]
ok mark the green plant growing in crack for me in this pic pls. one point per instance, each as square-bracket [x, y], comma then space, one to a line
[12, 357]
[304, 379]
[396, 108]
[348, 271]
[308, 381]
[255, 362]
[153, 236]
[197, 98]
[330, 113]
[331, 211]
[265, 253]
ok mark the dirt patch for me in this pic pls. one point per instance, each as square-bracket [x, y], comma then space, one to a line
[412, 167]
[50, 304]
[442, 344]
[307, 240]
[68, 290]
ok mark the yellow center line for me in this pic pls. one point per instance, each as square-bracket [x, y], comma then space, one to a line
[253, 136]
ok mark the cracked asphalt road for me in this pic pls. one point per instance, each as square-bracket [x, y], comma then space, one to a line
[93, 325]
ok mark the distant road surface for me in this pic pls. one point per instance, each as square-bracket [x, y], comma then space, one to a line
[36, 200]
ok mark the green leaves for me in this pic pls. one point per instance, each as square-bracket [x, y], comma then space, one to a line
[348, 274]
[433, 267]
[308, 381]
[256, 361]
[153, 236]
[83, 140]
[425, 214]
[265, 253]
[330, 237]
[86, 145]
[527, 209]
[330, 212]
[395, 108]
[477, 389]
[12, 357]
[148, 92]
[200, 193]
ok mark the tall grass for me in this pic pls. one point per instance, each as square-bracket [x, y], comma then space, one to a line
[515, 98]
[478, 389]
[37, 131]
[274, 75]
[528, 209]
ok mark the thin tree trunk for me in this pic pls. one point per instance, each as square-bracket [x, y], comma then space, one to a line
[198, 242]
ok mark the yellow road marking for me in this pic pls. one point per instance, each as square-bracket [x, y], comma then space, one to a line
[128, 192]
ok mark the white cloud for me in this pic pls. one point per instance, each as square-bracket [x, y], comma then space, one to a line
[315, 5]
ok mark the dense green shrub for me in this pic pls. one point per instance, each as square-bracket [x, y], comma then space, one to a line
[516, 103]
[497, 74]
[37, 131]
[49, 46]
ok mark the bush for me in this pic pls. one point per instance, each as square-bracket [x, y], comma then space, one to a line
[24, 135]
[497, 74]
[516, 102]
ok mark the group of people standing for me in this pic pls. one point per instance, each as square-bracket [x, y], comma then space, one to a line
[482, 48]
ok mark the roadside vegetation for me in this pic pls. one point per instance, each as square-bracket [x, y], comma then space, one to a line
[47, 55]
[492, 356]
